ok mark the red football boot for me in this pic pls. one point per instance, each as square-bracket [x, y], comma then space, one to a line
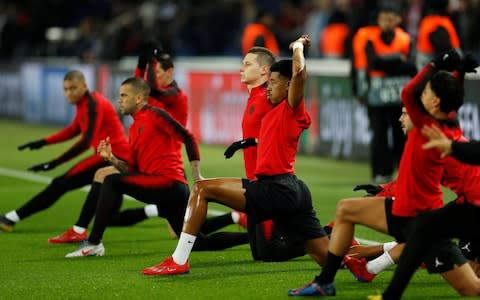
[358, 267]
[167, 267]
[69, 236]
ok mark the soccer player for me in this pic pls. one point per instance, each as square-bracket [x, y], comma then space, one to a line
[154, 172]
[95, 119]
[277, 193]
[428, 98]
[459, 218]
[157, 69]
[266, 242]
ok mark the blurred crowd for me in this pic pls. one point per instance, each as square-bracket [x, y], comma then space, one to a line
[107, 30]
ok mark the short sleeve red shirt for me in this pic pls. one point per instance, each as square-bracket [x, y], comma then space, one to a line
[256, 108]
[278, 139]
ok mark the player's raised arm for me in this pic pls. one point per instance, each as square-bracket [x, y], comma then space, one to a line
[299, 72]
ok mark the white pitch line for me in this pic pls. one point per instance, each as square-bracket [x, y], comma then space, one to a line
[46, 179]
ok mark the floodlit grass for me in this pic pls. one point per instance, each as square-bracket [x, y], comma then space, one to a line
[31, 268]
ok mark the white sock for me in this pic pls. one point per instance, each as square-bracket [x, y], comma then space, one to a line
[79, 229]
[12, 216]
[184, 247]
[235, 216]
[151, 210]
[388, 246]
[380, 263]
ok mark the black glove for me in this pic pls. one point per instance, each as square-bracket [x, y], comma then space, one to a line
[469, 64]
[148, 50]
[33, 145]
[43, 167]
[239, 145]
[371, 189]
[448, 61]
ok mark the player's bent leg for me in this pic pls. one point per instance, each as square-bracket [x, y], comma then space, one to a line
[368, 211]
[227, 191]
[101, 173]
[464, 280]
[317, 249]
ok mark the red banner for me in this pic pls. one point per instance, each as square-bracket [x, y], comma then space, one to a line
[217, 101]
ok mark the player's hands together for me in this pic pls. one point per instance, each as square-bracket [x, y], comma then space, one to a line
[469, 64]
[239, 145]
[104, 149]
[371, 189]
[304, 39]
[44, 166]
[33, 145]
[148, 50]
[448, 61]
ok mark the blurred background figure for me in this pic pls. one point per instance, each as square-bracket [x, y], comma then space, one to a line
[260, 33]
[382, 68]
[436, 32]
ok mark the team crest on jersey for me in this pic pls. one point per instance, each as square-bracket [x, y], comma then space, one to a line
[251, 109]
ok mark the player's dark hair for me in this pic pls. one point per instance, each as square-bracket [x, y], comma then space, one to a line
[74, 75]
[139, 85]
[264, 56]
[284, 67]
[165, 60]
[448, 89]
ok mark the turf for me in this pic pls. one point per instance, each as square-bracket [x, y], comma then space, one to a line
[31, 268]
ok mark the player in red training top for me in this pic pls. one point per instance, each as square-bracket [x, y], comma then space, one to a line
[429, 98]
[154, 172]
[95, 119]
[266, 242]
[165, 94]
[277, 193]
[459, 218]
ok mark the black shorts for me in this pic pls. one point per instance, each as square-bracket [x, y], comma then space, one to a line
[398, 227]
[287, 201]
[443, 256]
[470, 249]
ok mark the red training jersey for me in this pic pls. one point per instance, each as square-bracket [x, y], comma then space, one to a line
[257, 106]
[95, 119]
[154, 141]
[462, 179]
[278, 139]
[420, 172]
[170, 98]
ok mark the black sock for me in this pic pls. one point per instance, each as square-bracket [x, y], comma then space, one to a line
[89, 206]
[128, 217]
[213, 224]
[219, 241]
[330, 269]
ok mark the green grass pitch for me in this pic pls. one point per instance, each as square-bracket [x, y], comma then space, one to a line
[30, 268]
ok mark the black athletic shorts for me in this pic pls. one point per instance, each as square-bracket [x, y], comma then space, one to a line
[470, 249]
[287, 201]
[443, 256]
[398, 227]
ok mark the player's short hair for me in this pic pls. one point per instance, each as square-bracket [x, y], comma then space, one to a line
[74, 75]
[264, 56]
[449, 89]
[139, 85]
[165, 60]
[284, 67]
